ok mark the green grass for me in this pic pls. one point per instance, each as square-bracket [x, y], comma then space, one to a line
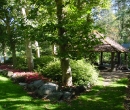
[13, 97]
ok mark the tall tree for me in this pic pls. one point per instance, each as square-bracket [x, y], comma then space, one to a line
[74, 28]
[122, 12]
[7, 16]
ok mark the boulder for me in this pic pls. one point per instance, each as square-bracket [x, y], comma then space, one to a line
[47, 89]
[35, 85]
[66, 95]
[10, 74]
[57, 95]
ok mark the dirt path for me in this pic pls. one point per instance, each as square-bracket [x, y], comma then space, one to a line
[110, 77]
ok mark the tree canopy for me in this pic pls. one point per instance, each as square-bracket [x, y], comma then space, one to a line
[68, 24]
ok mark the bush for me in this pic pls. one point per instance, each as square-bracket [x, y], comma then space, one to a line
[53, 71]
[40, 63]
[83, 73]
[21, 63]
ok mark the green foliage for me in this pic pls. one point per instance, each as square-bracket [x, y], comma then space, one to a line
[8, 61]
[83, 73]
[21, 63]
[40, 63]
[53, 71]
[92, 57]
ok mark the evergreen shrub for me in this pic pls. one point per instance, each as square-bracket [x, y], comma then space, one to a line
[83, 73]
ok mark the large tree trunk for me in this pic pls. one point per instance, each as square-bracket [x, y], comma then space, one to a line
[29, 55]
[28, 46]
[66, 69]
[66, 72]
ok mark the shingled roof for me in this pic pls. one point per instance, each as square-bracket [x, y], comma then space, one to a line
[109, 45]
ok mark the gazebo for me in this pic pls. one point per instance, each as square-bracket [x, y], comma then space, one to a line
[109, 45]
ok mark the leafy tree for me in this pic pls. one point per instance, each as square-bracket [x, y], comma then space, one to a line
[8, 22]
[74, 25]
[122, 12]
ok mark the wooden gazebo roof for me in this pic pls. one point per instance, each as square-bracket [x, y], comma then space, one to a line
[109, 45]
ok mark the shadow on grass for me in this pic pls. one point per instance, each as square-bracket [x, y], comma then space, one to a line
[100, 98]
[13, 97]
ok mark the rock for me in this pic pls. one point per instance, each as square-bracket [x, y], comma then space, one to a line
[35, 85]
[10, 74]
[55, 95]
[66, 95]
[47, 89]
[82, 88]
[79, 89]
[22, 84]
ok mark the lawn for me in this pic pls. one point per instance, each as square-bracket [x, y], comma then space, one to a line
[14, 97]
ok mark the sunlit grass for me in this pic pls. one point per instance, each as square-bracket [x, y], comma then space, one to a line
[111, 97]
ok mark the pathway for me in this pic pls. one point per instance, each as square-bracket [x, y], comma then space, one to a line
[110, 77]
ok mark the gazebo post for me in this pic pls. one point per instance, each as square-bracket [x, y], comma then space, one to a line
[101, 58]
[112, 61]
[118, 59]
[126, 59]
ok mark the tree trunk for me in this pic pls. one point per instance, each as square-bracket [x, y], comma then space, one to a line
[54, 49]
[14, 54]
[66, 69]
[29, 54]
[37, 50]
[28, 46]
[3, 52]
[11, 42]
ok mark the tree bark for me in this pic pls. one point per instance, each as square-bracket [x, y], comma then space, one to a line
[14, 54]
[28, 46]
[3, 52]
[11, 42]
[66, 72]
[66, 69]
[29, 55]
[37, 49]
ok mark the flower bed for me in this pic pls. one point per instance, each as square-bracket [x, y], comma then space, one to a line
[20, 76]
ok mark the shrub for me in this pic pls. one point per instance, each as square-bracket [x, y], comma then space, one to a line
[40, 63]
[53, 71]
[83, 73]
[21, 63]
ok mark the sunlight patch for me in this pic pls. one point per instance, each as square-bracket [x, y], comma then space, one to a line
[3, 78]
